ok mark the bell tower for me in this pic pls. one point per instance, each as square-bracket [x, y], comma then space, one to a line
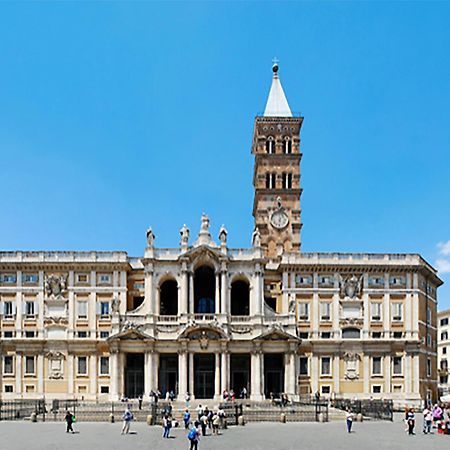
[276, 175]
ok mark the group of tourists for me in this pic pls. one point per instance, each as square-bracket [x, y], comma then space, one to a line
[434, 417]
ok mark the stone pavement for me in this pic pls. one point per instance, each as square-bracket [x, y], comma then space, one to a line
[271, 436]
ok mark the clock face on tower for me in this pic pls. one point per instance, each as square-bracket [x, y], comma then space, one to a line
[279, 219]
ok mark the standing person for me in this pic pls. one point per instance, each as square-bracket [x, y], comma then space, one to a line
[199, 411]
[349, 420]
[127, 418]
[69, 418]
[140, 402]
[437, 414]
[204, 423]
[411, 418]
[221, 414]
[194, 436]
[186, 418]
[215, 423]
[167, 425]
[427, 420]
[187, 399]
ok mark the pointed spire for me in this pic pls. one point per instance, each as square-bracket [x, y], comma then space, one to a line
[277, 104]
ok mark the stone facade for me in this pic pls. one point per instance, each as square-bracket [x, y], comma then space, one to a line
[443, 351]
[203, 317]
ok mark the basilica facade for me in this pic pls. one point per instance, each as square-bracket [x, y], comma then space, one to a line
[203, 318]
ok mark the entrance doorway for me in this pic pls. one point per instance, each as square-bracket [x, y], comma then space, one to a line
[168, 373]
[240, 373]
[273, 374]
[204, 371]
[134, 375]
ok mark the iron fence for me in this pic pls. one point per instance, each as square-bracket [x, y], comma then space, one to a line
[375, 409]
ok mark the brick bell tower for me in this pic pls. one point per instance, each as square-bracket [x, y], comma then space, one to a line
[276, 175]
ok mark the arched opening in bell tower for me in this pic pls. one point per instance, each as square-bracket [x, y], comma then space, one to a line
[204, 290]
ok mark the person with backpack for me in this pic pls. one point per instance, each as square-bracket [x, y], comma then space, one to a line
[186, 418]
[194, 436]
[70, 419]
[127, 418]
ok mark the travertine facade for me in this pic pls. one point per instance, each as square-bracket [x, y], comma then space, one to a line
[203, 317]
[443, 350]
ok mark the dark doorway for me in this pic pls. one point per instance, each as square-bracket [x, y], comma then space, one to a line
[204, 290]
[168, 373]
[134, 375]
[273, 374]
[240, 373]
[168, 293]
[204, 370]
[240, 298]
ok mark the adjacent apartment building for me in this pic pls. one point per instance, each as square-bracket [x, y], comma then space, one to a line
[202, 317]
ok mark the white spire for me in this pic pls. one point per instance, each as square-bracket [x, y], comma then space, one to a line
[277, 104]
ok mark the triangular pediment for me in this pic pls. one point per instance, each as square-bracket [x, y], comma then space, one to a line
[197, 332]
[131, 334]
[203, 251]
[276, 334]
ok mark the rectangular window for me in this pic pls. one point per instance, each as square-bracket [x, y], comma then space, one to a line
[30, 309]
[303, 311]
[8, 309]
[444, 336]
[397, 311]
[138, 285]
[325, 311]
[428, 315]
[376, 282]
[376, 389]
[104, 389]
[8, 334]
[104, 308]
[444, 322]
[303, 365]
[30, 278]
[326, 390]
[82, 310]
[82, 334]
[104, 365]
[326, 280]
[325, 335]
[8, 278]
[303, 335]
[428, 367]
[397, 365]
[429, 340]
[376, 365]
[325, 365]
[82, 278]
[444, 364]
[444, 350]
[397, 281]
[30, 334]
[8, 388]
[8, 365]
[375, 311]
[29, 365]
[303, 280]
[397, 334]
[82, 365]
[104, 278]
[376, 334]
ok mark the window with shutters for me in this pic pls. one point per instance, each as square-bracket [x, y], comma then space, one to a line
[376, 365]
[30, 308]
[325, 311]
[29, 365]
[8, 365]
[104, 365]
[82, 365]
[303, 311]
[325, 365]
[303, 365]
[397, 311]
[375, 311]
[397, 368]
[82, 310]
[8, 309]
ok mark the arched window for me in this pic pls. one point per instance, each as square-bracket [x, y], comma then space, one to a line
[240, 298]
[204, 290]
[270, 181]
[287, 146]
[350, 333]
[168, 294]
[270, 145]
[287, 180]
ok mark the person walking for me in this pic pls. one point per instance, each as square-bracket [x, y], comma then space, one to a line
[186, 418]
[167, 425]
[349, 420]
[411, 420]
[70, 419]
[194, 436]
[127, 418]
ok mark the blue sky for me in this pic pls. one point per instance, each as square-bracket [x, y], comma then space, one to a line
[118, 116]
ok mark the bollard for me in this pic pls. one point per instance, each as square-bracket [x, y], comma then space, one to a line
[33, 417]
[149, 419]
[111, 418]
[241, 420]
[359, 417]
[321, 418]
[283, 418]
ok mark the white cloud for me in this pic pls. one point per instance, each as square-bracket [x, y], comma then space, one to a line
[444, 248]
[443, 266]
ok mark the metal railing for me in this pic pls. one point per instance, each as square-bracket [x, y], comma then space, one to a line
[375, 409]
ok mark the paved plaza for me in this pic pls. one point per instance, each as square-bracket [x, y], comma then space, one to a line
[99, 436]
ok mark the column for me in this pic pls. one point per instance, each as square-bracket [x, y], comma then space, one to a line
[335, 315]
[147, 373]
[70, 382]
[416, 382]
[148, 289]
[289, 373]
[191, 374]
[337, 374]
[40, 374]
[217, 299]
[315, 316]
[155, 370]
[184, 293]
[386, 316]
[191, 293]
[93, 375]
[258, 292]
[408, 374]
[366, 379]
[223, 293]
[256, 385]
[314, 373]
[285, 297]
[217, 377]
[225, 364]
[387, 374]
[19, 374]
[182, 374]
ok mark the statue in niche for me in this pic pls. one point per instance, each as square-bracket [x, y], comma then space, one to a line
[256, 238]
[223, 233]
[115, 305]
